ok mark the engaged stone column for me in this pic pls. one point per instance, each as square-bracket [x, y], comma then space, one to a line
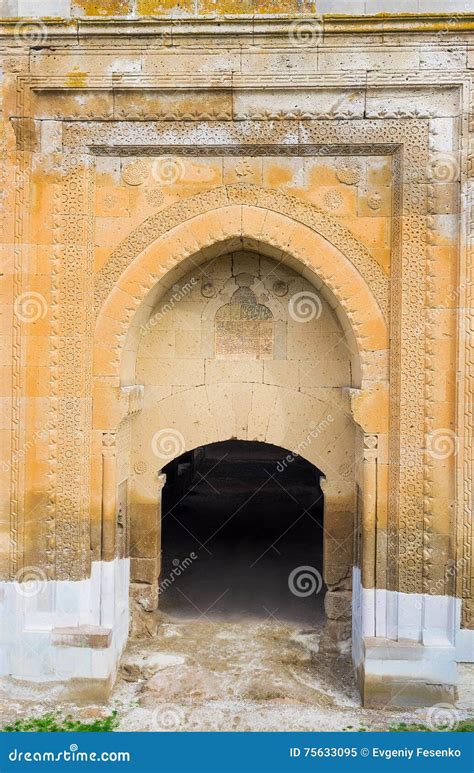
[109, 496]
[339, 509]
[365, 576]
[145, 554]
[369, 510]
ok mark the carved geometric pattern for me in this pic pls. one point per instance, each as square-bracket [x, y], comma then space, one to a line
[71, 382]
[244, 326]
[466, 528]
[406, 535]
[14, 556]
[22, 187]
[273, 200]
[407, 138]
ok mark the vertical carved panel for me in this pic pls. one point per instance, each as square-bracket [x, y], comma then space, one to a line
[22, 187]
[466, 585]
[412, 406]
[73, 369]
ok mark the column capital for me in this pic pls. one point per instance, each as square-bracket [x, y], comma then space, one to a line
[371, 443]
[109, 440]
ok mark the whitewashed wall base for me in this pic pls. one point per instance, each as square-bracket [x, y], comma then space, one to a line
[27, 652]
[406, 646]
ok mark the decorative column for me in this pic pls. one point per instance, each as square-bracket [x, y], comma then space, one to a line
[109, 496]
[369, 510]
[368, 535]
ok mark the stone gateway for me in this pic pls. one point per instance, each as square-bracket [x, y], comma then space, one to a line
[243, 221]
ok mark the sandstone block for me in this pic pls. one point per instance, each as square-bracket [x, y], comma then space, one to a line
[91, 636]
[336, 637]
[338, 605]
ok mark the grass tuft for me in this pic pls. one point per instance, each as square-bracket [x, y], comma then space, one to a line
[55, 723]
[463, 726]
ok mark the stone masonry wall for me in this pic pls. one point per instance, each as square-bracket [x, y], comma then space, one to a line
[135, 150]
[183, 8]
[246, 392]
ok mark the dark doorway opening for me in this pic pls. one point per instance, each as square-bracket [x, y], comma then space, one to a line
[242, 535]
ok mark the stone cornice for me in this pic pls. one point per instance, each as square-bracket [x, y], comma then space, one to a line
[241, 25]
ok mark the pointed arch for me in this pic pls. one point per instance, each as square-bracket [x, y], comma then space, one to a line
[136, 287]
[268, 200]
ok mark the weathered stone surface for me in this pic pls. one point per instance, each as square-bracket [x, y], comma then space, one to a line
[249, 230]
[336, 637]
[338, 605]
[145, 667]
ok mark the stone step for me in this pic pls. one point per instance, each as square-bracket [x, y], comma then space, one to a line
[92, 636]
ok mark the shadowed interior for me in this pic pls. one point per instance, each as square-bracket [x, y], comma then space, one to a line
[238, 520]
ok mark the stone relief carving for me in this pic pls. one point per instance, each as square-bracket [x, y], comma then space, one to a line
[155, 197]
[374, 200]
[135, 173]
[348, 172]
[333, 200]
[71, 338]
[349, 137]
[465, 526]
[271, 199]
[243, 169]
[280, 288]
[208, 290]
[244, 327]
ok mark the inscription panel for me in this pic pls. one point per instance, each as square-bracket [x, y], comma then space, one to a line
[244, 327]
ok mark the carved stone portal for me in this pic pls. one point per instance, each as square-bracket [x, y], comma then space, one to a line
[346, 171]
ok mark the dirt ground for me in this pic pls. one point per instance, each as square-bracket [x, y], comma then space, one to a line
[205, 675]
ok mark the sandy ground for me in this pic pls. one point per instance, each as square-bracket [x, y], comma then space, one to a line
[203, 675]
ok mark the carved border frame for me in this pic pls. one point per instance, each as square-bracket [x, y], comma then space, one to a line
[408, 245]
[409, 145]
